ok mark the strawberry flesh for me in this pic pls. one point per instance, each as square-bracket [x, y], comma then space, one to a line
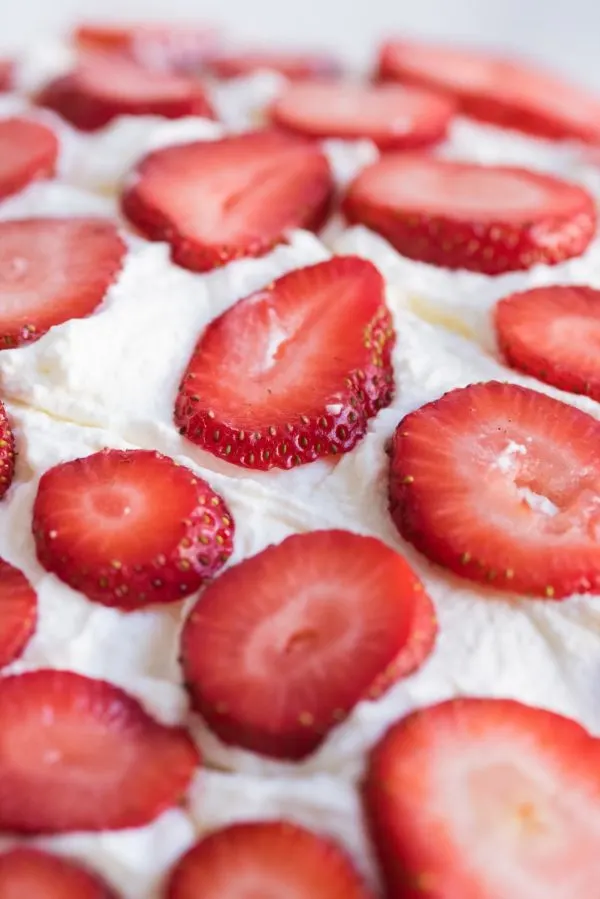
[6, 74]
[315, 625]
[18, 612]
[215, 201]
[28, 152]
[130, 528]
[7, 452]
[294, 66]
[488, 219]
[155, 46]
[33, 874]
[313, 352]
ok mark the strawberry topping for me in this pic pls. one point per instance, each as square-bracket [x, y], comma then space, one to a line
[28, 152]
[130, 528]
[7, 452]
[313, 353]
[295, 66]
[52, 270]
[505, 92]
[501, 484]
[485, 799]
[315, 625]
[163, 47]
[463, 215]
[270, 858]
[32, 874]
[215, 201]
[80, 754]
[18, 613]
[392, 116]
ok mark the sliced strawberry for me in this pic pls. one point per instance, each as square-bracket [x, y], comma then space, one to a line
[553, 333]
[463, 215]
[485, 799]
[215, 201]
[315, 625]
[28, 151]
[18, 613]
[130, 528]
[6, 74]
[505, 92]
[7, 452]
[295, 66]
[53, 270]
[27, 873]
[165, 47]
[105, 86]
[392, 116]
[313, 353]
[269, 858]
[500, 484]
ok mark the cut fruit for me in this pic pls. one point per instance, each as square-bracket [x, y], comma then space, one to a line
[553, 333]
[28, 152]
[315, 625]
[130, 528]
[176, 48]
[504, 92]
[488, 219]
[294, 371]
[27, 873]
[6, 74]
[215, 201]
[80, 754]
[7, 452]
[53, 270]
[294, 66]
[18, 613]
[105, 86]
[266, 859]
[484, 799]
[392, 116]
[501, 485]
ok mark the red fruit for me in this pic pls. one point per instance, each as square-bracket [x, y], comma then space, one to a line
[80, 754]
[215, 201]
[505, 92]
[295, 66]
[28, 152]
[392, 116]
[271, 858]
[6, 73]
[156, 46]
[18, 614]
[53, 270]
[294, 371]
[313, 626]
[500, 484]
[488, 219]
[105, 86]
[485, 799]
[27, 873]
[553, 333]
[130, 528]
[7, 452]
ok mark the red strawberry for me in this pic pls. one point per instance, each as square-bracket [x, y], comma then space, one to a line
[485, 799]
[18, 613]
[28, 151]
[392, 116]
[215, 201]
[80, 754]
[270, 858]
[295, 66]
[52, 270]
[6, 74]
[105, 86]
[553, 333]
[315, 625]
[32, 874]
[130, 528]
[505, 92]
[500, 484]
[294, 371]
[155, 46]
[7, 452]
[462, 215]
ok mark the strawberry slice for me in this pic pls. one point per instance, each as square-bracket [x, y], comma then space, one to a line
[270, 858]
[130, 528]
[553, 333]
[313, 353]
[489, 219]
[165, 47]
[80, 754]
[28, 152]
[315, 624]
[7, 452]
[105, 86]
[484, 799]
[53, 270]
[31, 873]
[6, 74]
[500, 484]
[18, 613]
[294, 66]
[215, 201]
[392, 116]
[505, 92]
